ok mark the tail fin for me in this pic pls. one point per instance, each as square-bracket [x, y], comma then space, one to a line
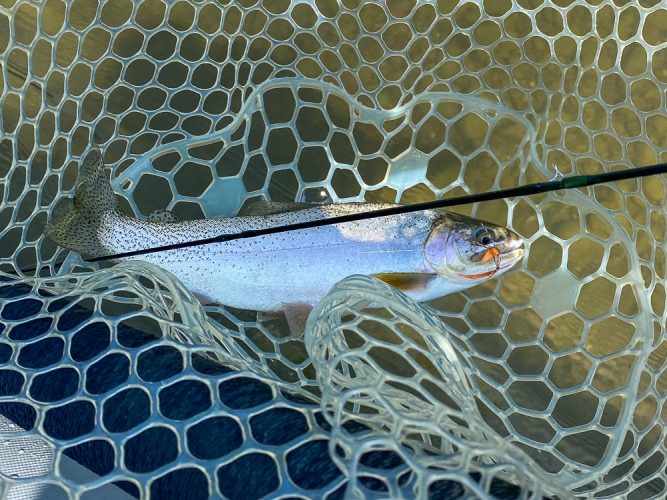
[76, 221]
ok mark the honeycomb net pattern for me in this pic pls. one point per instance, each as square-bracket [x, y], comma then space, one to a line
[204, 107]
[98, 368]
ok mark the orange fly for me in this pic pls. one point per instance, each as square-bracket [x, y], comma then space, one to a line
[491, 253]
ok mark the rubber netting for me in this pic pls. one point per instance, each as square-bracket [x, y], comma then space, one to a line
[549, 380]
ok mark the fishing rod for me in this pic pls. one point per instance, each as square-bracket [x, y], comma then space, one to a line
[571, 182]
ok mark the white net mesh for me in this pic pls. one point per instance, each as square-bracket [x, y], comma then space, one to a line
[550, 378]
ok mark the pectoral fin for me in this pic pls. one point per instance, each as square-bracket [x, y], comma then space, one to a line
[407, 282]
[297, 315]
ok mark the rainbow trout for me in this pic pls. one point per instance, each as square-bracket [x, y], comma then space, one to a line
[425, 254]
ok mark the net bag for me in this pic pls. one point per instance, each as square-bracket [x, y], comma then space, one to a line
[546, 381]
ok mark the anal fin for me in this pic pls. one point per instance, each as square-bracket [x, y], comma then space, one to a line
[297, 316]
[268, 315]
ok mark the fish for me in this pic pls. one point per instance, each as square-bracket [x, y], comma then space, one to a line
[425, 254]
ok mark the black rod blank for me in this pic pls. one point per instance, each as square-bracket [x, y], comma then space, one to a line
[576, 181]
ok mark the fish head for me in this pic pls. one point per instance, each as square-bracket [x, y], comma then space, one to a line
[468, 251]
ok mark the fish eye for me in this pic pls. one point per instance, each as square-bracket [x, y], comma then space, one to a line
[484, 236]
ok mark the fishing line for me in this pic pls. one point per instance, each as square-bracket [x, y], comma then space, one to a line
[564, 183]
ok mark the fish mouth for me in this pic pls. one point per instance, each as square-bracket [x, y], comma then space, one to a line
[512, 252]
[503, 256]
[508, 259]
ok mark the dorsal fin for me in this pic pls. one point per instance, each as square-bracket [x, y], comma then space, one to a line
[162, 216]
[273, 207]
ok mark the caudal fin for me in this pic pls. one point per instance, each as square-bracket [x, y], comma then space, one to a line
[75, 223]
